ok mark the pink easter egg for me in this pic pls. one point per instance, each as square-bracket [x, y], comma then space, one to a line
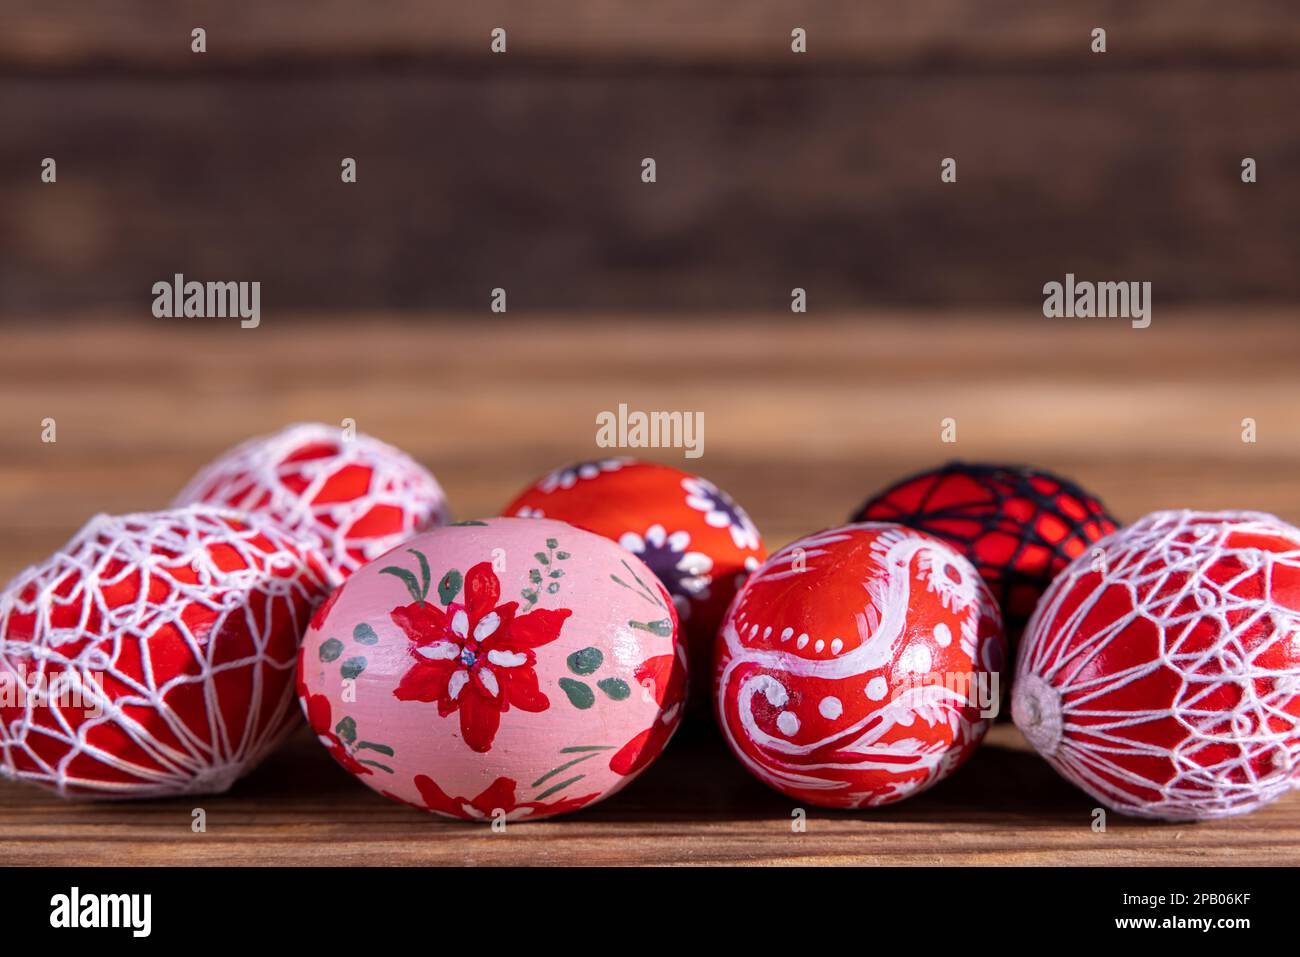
[502, 669]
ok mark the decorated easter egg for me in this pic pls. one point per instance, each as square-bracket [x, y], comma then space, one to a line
[1162, 676]
[154, 654]
[504, 669]
[859, 666]
[698, 542]
[1018, 526]
[354, 495]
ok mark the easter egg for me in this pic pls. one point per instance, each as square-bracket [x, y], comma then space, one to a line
[859, 666]
[154, 654]
[1162, 676]
[506, 669]
[697, 541]
[1018, 526]
[354, 495]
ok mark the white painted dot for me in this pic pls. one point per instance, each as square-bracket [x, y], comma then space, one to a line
[767, 631]
[819, 646]
[830, 707]
[916, 658]
[837, 646]
[877, 688]
[753, 630]
[788, 723]
[943, 635]
[785, 635]
[802, 642]
[776, 694]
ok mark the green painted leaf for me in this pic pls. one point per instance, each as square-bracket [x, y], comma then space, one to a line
[381, 748]
[449, 587]
[564, 767]
[580, 696]
[585, 661]
[616, 688]
[558, 573]
[552, 543]
[330, 649]
[352, 667]
[562, 556]
[424, 572]
[541, 557]
[530, 594]
[663, 627]
[364, 634]
[376, 764]
[586, 747]
[552, 588]
[534, 576]
[408, 578]
[346, 729]
[559, 787]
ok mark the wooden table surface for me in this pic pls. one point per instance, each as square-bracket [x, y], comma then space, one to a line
[804, 416]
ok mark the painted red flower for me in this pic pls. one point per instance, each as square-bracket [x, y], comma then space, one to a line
[666, 675]
[321, 720]
[499, 796]
[477, 657]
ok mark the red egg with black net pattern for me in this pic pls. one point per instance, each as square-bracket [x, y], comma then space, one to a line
[1019, 526]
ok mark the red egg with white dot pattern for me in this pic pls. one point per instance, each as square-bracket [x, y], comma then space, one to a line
[859, 666]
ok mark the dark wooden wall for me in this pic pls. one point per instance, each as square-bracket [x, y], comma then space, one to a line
[522, 170]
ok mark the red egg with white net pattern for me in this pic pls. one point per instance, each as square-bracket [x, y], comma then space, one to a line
[355, 496]
[154, 654]
[1162, 675]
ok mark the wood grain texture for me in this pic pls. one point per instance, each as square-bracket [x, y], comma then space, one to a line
[804, 416]
[523, 172]
[56, 34]
[470, 181]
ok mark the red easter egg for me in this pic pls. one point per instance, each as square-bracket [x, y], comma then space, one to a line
[693, 536]
[154, 654]
[1162, 676]
[859, 666]
[1018, 526]
[355, 496]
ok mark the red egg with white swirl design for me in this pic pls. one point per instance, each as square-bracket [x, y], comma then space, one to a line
[859, 666]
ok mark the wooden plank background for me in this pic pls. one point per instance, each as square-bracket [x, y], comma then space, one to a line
[804, 416]
[59, 34]
[522, 171]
